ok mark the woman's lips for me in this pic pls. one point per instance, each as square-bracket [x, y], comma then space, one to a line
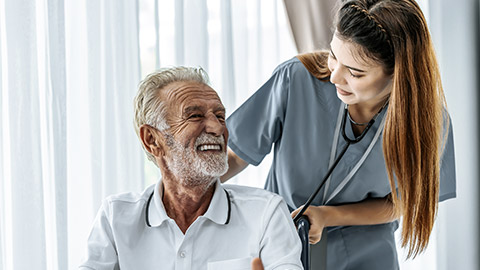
[343, 92]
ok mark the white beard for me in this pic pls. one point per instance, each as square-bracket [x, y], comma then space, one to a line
[193, 169]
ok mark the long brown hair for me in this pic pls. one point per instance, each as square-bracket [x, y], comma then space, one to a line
[395, 34]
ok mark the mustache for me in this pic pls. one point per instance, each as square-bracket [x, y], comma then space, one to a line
[206, 138]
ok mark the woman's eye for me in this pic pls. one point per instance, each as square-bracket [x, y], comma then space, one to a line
[355, 75]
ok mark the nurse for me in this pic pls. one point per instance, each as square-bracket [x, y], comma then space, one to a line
[381, 64]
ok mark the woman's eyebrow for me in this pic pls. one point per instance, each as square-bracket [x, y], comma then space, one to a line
[356, 69]
[349, 67]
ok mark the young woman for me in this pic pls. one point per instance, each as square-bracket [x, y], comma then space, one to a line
[381, 66]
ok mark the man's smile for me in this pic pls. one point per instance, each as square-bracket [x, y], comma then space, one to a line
[206, 147]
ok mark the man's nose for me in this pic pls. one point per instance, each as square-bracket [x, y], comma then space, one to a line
[214, 125]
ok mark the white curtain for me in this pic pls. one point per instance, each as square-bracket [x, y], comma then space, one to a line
[103, 70]
[33, 148]
[68, 74]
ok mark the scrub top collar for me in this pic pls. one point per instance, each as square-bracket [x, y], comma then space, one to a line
[218, 211]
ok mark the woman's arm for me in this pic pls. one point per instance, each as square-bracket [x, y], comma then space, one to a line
[235, 165]
[368, 212]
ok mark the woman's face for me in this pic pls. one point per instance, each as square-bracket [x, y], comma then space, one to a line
[358, 80]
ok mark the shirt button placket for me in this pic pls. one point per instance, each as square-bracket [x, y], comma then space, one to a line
[182, 260]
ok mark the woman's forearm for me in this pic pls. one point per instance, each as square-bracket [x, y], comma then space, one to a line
[235, 165]
[368, 212]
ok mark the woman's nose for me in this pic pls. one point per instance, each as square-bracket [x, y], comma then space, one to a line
[336, 77]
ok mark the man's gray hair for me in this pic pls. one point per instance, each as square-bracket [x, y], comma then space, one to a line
[149, 108]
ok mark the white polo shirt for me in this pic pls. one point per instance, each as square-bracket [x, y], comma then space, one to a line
[241, 223]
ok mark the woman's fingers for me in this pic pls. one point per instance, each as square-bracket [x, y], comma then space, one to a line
[295, 212]
[314, 239]
[317, 222]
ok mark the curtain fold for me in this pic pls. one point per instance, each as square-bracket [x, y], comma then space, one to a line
[103, 73]
[2, 150]
[311, 23]
[179, 32]
[196, 33]
[26, 200]
[56, 183]
[227, 52]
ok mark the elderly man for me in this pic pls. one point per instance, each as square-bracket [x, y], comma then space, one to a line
[188, 220]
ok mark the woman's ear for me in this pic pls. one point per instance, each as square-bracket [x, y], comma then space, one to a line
[151, 140]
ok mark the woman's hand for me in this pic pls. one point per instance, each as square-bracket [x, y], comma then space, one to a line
[367, 212]
[317, 218]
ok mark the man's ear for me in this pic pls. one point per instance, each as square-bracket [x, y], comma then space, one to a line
[151, 140]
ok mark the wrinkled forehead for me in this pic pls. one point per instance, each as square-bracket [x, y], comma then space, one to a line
[180, 94]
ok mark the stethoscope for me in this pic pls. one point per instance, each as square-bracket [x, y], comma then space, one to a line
[302, 222]
[349, 142]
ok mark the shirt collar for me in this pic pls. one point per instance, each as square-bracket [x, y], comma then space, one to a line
[218, 211]
[156, 211]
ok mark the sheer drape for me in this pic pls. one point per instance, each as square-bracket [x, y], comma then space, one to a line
[68, 74]
[311, 22]
[103, 70]
[33, 171]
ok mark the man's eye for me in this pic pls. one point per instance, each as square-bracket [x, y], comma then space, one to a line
[194, 116]
[221, 117]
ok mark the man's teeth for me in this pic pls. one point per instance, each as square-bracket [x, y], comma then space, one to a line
[206, 147]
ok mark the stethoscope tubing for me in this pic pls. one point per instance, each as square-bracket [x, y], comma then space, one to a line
[302, 222]
[337, 160]
[322, 183]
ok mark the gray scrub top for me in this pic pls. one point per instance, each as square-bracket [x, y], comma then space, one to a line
[297, 114]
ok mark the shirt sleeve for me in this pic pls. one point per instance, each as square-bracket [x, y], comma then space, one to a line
[101, 249]
[257, 123]
[280, 246]
[447, 168]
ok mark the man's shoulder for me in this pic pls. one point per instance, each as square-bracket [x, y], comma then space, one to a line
[130, 197]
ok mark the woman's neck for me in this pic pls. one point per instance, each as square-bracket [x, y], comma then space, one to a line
[360, 114]
[364, 112]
